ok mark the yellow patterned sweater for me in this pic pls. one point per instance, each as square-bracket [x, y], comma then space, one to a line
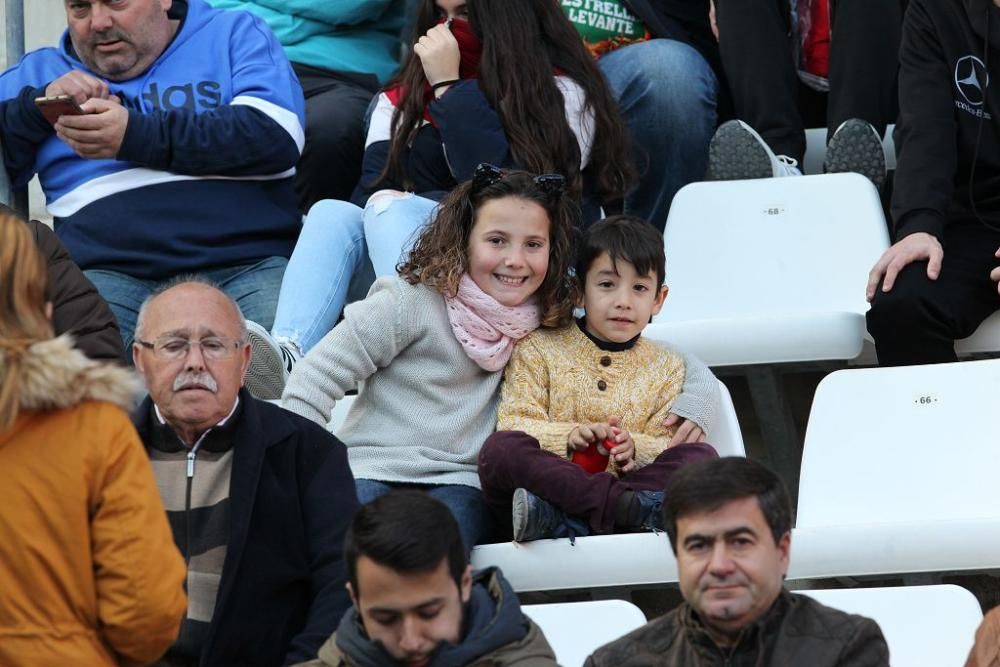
[559, 379]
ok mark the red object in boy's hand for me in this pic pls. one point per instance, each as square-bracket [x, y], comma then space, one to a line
[591, 459]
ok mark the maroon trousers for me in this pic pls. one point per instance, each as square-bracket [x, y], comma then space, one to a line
[514, 459]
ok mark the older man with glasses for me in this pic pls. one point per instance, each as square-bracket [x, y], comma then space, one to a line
[259, 499]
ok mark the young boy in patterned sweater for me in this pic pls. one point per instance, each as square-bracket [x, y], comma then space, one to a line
[596, 382]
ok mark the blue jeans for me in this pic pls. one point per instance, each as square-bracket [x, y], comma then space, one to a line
[465, 502]
[254, 287]
[667, 94]
[329, 254]
[392, 226]
[333, 259]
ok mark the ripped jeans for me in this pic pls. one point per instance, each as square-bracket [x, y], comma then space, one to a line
[333, 261]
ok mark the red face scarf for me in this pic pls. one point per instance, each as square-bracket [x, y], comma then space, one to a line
[471, 50]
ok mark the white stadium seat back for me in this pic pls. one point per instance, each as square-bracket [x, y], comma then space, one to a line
[554, 565]
[577, 629]
[770, 270]
[899, 473]
[924, 626]
[912, 443]
[986, 339]
[340, 411]
[726, 436]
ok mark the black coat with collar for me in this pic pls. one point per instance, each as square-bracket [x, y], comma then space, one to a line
[292, 498]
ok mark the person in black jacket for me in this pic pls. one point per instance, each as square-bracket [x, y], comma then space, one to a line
[77, 307]
[933, 285]
[259, 499]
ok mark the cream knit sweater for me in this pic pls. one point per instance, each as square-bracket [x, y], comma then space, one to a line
[558, 379]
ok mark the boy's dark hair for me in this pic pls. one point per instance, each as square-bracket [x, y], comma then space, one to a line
[707, 485]
[624, 237]
[407, 531]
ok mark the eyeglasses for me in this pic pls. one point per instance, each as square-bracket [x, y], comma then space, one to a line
[486, 174]
[173, 348]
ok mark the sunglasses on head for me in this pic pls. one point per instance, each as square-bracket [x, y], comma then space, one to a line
[487, 174]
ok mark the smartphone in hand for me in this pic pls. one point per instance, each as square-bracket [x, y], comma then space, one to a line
[58, 105]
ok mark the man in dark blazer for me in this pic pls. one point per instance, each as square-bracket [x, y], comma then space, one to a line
[259, 499]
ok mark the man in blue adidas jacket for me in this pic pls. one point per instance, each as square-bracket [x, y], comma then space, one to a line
[184, 160]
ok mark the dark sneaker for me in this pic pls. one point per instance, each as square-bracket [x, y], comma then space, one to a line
[270, 363]
[537, 519]
[639, 510]
[737, 152]
[650, 509]
[856, 147]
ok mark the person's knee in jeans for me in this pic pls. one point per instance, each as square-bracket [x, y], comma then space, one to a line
[393, 220]
[125, 296]
[667, 93]
[467, 505]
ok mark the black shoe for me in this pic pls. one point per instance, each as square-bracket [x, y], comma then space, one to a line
[856, 147]
[537, 519]
[639, 510]
[650, 509]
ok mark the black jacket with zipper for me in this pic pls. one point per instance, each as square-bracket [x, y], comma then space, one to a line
[292, 497]
[948, 117]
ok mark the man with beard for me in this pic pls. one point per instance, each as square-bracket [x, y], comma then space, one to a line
[258, 498]
[179, 157]
[729, 524]
[417, 602]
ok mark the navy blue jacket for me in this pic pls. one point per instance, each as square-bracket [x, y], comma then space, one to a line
[292, 498]
[203, 177]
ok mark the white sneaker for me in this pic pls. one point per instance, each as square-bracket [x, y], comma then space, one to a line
[856, 147]
[271, 361]
[737, 152]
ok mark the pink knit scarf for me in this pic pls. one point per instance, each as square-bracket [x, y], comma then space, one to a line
[486, 328]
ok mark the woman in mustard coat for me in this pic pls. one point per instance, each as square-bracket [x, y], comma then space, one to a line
[89, 573]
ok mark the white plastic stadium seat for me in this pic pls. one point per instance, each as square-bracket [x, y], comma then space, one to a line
[924, 626]
[546, 565]
[899, 473]
[986, 340]
[577, 629]
[339, 415]
[770, 270]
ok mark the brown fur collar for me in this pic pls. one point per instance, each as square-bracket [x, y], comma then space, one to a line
[56, 375]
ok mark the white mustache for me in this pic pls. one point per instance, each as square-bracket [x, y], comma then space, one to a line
[201, 378]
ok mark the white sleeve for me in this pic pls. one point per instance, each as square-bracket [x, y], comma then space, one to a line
[380, 125]
[579, 115]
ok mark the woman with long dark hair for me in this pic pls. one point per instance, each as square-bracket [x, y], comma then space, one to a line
[508, 82]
